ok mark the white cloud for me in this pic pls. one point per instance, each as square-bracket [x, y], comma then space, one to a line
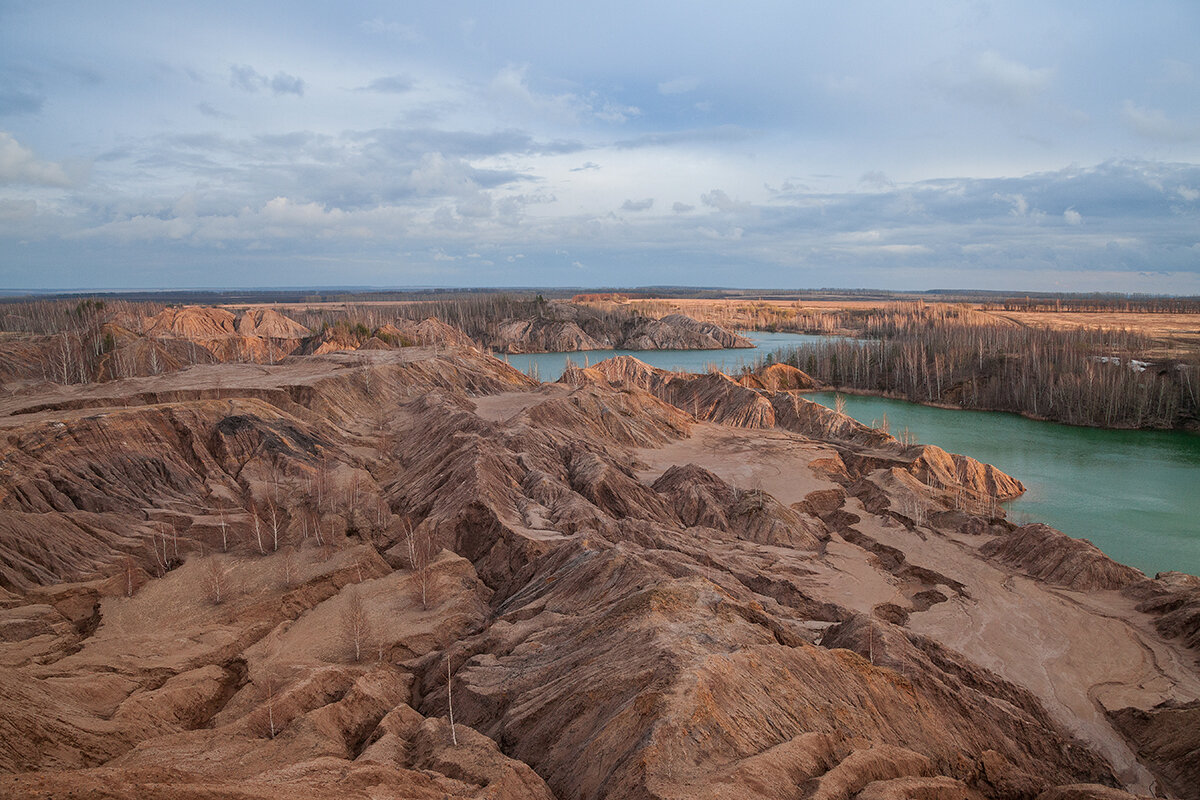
[1153, 123]
[509, 90]
[1020, 206]
[1189, 194]
[638, 205]
[990, 78]
[1073, 217]
[18, 165]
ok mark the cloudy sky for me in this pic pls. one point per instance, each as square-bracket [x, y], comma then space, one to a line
[909, 145]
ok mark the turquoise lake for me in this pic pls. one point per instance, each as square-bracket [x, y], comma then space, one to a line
[550, 366]
[1134, 494]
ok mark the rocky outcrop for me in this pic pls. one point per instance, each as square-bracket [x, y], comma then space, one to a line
[1049, 555]
[1167, 736]
[779, 378]
[1173, 598]
[566, 327]
[699, 497]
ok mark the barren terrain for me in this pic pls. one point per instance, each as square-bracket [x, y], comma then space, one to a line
[277, 580]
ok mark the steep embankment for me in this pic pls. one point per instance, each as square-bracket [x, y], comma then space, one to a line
[565, 327]
[628, 584]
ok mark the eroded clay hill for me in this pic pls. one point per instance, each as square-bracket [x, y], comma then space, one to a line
[246, 580]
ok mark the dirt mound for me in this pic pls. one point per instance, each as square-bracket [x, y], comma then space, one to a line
[701, 498]
[1049, 555]
[779, 378]
[565, 327]
[722, 337]
[191, 322]
[268, 323]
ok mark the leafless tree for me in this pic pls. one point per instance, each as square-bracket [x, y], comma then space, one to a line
[356, 625]
[214, 579]
[257, 529]
[450, 700]
[272, 714]
[275, 525]
[130, 569]
[420, 557]
[224, 526]
[289, 567]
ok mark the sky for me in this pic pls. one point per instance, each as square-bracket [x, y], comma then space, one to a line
[1036, 146]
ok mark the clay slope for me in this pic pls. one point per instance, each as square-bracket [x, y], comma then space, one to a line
[276, 581]
[565, 327]
[124, 345]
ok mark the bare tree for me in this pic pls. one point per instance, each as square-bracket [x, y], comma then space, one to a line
[214, 579]
[224, 527]
[356, 625]
[257, 529]
[272, 715]
[129, 574]
[275, 525]
[289, 567]
[420, 557]
[450, 700]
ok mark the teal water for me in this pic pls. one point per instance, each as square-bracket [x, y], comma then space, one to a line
[1134, 494]
[550, 366]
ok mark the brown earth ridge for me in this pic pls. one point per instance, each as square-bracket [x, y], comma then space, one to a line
[627, 584]
[103, 346]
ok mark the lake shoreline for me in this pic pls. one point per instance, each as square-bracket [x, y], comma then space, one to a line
[1190, 426]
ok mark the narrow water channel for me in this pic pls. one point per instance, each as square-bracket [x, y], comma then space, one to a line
[1134, 494]
[549, 366]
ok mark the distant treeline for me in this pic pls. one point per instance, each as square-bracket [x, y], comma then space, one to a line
[1140, 305]
[950, 354]
[477, 315]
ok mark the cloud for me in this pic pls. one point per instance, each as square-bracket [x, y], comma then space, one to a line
[248, 79]
[682, 208]
[18, 165]
[876, 179]
[209, 111]
[719, 200]
[638, 205]
[389, 84]
[1020, 206]
[678, 86]
[510, 93]
[585, 167]
[990, 78]
[1072, 217]
[1154, 124]
[283, 83]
